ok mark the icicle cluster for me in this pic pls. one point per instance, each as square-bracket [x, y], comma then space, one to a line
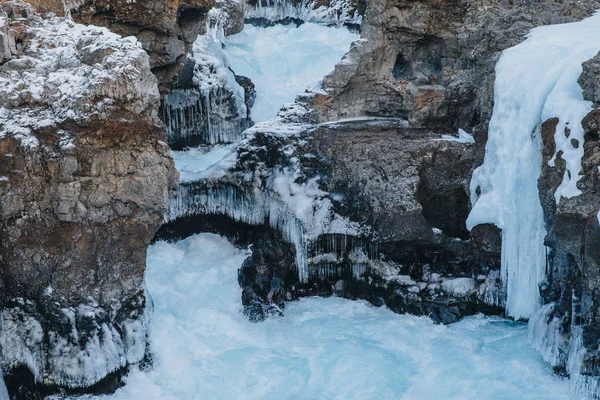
[190, 114]
[333, 254]
[214, 110]
[261, 209]
[338, 11]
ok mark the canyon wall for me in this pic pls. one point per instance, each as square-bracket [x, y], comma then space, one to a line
[85, 176]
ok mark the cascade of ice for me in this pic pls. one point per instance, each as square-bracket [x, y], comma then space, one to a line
[337, 11]
[535, 80]
[563, 349]
[212, 111]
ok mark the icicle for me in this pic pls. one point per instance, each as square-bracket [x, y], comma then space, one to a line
[263, 209]
[337, 11]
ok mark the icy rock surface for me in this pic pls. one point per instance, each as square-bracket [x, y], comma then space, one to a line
[331, 348]
[504, 189]
[167, 29]
[71, 71]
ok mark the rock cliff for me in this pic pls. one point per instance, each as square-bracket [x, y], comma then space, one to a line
[85, 176]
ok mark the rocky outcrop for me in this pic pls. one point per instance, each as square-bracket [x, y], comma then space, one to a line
[342, 221]
[85, 176]
[166, 29]
[432, 62]
[572, 291]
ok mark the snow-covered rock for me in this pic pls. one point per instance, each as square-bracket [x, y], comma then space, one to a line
[86, 175]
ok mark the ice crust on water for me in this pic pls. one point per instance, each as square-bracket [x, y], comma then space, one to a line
[193, 163]
[283, 60]
[337, 11]
[535, 80]
[330, 348]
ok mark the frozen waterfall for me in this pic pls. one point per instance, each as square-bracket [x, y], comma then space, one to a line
[535, 80]
[212, 110]
[335, 11]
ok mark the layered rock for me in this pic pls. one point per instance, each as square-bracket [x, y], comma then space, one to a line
[85, 176]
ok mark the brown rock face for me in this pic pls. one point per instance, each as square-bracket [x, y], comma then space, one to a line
[85, 177]
[433, 61]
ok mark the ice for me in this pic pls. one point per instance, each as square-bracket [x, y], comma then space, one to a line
[463, 137]
[3, 390]
[214, 109]
[334, 11]
[193, 162]
[283, 60]
[322, 349]
[535, 80]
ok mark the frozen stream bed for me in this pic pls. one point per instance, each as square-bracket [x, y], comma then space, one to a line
[331, 348]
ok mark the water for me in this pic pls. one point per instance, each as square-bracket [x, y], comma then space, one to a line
[322, 349]
[535, 80]
[283, 60]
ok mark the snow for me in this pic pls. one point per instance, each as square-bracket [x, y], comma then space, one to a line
[283, 60]
[322, 348]
[463, 137]
[535, 80]
[459, 286]
[55, 83]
